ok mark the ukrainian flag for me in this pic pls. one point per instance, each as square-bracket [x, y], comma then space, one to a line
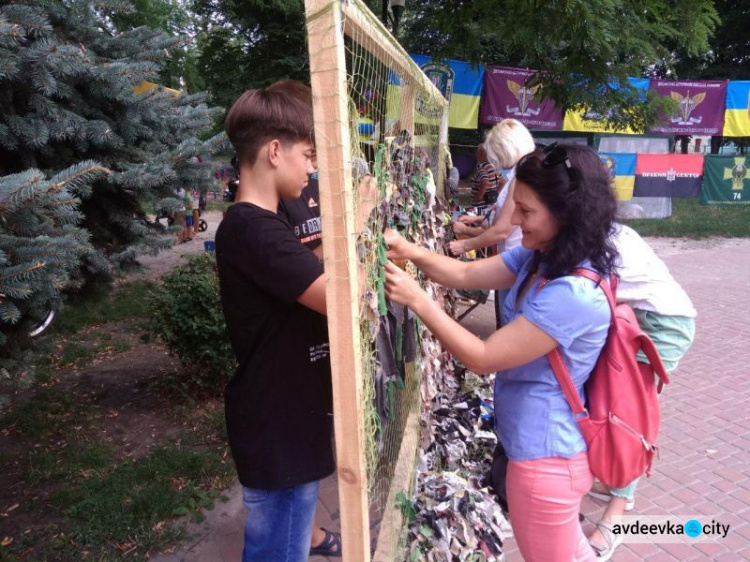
[622, 169]
[737, 114]
[460, 83]
[582, 121]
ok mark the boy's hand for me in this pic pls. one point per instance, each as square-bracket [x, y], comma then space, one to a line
[368, 199]
[368, 189]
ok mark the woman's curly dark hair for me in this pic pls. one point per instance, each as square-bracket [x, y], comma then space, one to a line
[583, 203]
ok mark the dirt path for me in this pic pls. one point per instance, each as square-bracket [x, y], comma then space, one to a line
[164, 262]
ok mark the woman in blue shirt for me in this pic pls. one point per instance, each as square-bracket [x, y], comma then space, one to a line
[565, 207]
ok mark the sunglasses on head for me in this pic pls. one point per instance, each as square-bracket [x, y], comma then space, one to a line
[553, 155]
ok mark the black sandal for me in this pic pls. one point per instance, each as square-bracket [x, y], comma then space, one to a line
[329, 546]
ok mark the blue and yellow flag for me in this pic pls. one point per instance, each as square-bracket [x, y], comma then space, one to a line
[590, 122]
[622, 169]
[460, 83]
[737, 113]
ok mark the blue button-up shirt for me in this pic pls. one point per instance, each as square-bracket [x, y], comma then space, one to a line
[533, 419]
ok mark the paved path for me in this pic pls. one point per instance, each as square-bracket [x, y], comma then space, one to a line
[164, 262]
[704, 470]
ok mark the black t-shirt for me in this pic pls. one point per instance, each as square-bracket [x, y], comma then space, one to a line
[278, 403]
[304, 215]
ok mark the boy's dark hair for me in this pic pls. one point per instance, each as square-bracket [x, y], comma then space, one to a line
[583, 203]
[259, 116]
[302, 92]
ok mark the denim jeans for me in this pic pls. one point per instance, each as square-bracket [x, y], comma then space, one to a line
[279, 523]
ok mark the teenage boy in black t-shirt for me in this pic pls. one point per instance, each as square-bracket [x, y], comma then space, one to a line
[278, 403]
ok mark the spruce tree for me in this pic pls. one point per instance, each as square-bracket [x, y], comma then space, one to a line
[85, 151]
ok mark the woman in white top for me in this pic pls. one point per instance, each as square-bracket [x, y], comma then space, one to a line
[665, 313]
[506, 143]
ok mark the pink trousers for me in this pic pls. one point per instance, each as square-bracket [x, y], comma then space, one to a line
[544, 498]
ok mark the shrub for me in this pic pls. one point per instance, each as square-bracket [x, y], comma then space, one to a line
[186, 314]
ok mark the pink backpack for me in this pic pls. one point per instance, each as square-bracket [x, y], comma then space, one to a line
[621, 423]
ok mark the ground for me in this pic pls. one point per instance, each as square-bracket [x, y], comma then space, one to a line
[118, 403]
[107, 394]
[704, 467]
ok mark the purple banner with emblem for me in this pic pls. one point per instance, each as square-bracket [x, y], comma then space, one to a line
[507, 96]
[700, 106]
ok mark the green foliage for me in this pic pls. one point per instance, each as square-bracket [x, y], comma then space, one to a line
[250, 43]
[98, 306]
[180, 71]
[103, 503]
[728, 55]
[81, 354]
[82, 155]
[691, 220]
[122, 503]
[42, 416]
[91, 494]
[218, 205]
[186, 313]
[40, 245]
[579, 47]
[406, 506]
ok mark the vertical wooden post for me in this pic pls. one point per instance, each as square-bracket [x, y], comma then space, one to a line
[328, 78]
[407, 107]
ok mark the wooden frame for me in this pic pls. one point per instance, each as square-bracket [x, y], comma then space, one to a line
[328, 21]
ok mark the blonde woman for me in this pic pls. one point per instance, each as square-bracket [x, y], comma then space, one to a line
[505, 144]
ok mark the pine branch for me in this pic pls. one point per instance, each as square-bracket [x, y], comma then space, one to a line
[79, 177]
[21, 272]
[9, 312]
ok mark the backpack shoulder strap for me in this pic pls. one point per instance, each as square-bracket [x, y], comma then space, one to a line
[566, 383]
[608, 288]
[647, 345]
[555, 356]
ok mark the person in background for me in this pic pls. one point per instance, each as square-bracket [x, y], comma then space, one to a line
[189, 216]
[180, 217]
[565, 208]
[666, 314]
[202, 201]
[196, 213]
[303, 213]
[485, 182]
[505, 144]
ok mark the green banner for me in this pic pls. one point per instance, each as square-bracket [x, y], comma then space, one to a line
[726, 181]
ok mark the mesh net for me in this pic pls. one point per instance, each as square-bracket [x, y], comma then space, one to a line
[395, 117]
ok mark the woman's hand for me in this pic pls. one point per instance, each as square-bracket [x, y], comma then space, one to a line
[402, 288]
[457, 247]
[460, 228]
[471, 220]
[398, 248]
